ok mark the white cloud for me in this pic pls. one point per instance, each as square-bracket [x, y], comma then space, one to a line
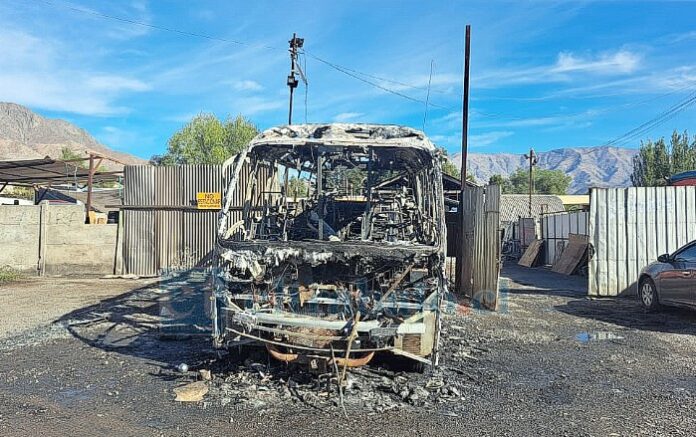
[33, 72]
[622, 61]
[488, 138]
[567, 120]
[115, 83]
[255, 105]
[568, 67]
[122, 139]
[247, 85]
[679, 37]
[347, 116]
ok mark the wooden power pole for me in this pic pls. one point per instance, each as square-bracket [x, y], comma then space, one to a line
[459, 276]
[532, 157]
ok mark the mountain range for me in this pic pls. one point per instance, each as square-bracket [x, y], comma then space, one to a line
[25, 134]
[600, 167]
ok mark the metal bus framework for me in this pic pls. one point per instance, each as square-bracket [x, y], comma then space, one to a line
[341, 253]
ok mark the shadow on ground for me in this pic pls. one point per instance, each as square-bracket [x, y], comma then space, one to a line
[145, 321]
[542, 280]
[627, 312]
[624, 311]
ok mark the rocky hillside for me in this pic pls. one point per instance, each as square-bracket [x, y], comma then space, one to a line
[589, 166]
[26, 135]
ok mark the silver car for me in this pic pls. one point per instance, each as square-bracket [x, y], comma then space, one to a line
[671, 280]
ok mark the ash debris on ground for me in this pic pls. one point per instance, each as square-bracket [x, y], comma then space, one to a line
[249, 378]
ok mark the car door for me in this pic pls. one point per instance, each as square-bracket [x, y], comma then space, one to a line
[678, 281]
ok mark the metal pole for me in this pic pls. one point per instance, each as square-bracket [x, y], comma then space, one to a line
[532, 162]
[459, 276]
[90, 177]
[320, 193]
[531, 180]
[295, 43]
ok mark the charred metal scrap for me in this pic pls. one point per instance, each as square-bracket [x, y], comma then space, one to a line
[338, 249]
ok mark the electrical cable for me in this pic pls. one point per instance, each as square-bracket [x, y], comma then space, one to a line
[656, 121]
[345, 70]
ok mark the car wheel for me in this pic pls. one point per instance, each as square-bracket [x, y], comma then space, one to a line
[648, 295]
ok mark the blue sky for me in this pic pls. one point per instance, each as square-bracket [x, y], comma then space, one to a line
[544, 74]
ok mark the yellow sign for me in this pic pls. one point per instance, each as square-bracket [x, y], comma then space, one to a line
[209, 200]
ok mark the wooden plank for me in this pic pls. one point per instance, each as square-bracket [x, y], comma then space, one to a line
[531, 255]
[573, 255]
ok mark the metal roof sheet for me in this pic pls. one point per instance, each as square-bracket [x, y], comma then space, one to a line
[514, 206]
[48, 171]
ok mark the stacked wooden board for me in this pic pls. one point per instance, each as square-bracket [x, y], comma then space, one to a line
[573, 255]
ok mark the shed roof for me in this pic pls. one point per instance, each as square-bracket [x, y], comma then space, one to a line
[48, 171]
[514, 206]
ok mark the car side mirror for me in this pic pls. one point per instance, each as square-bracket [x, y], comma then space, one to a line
[665, 258]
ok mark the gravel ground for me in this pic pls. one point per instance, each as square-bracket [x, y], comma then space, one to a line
[550, 362]
[58, 295]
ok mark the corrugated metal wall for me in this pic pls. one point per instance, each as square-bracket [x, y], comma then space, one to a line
[556, 227]
[164, 230]
[139, 225]
[631, 227]
[480, 244]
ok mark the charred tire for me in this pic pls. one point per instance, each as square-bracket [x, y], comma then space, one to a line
[647, 293]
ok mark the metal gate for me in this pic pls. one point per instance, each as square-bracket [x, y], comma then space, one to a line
[480, 244]
[631, 227]
[163, 228]
[555, 229]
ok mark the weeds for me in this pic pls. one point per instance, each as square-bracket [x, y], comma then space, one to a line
[8, 274]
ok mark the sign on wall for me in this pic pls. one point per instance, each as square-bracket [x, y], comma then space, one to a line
[209, 200]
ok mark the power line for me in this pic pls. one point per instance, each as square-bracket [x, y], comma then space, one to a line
[153, 26]
[345, 70]
[427, 96]
[392, 81]
[656, 121]
[374, 84]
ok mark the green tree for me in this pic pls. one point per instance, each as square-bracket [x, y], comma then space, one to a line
[68, 154]
[450, 169]
[657, 161]
[545, 182]
[207, 140]
[297, 187]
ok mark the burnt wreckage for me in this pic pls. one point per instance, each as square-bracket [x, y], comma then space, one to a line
[340, 250]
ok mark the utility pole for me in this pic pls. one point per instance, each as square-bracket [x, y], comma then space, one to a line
[459, 276]
[295, 43]
[90, 181]
[532, 157]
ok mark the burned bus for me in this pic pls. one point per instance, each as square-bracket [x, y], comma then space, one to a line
[335, 249]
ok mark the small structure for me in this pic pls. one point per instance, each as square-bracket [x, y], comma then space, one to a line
[687, 178]
[575, 202]
[519, 229]
[45, 173]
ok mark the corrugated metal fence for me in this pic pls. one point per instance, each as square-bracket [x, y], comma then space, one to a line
[556, 227]
[163, 228]
[480, 243]
[631, 227]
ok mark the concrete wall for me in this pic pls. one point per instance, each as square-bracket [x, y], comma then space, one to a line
[56, 239]
[19, 237]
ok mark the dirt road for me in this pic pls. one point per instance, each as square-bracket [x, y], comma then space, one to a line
[550, 362]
